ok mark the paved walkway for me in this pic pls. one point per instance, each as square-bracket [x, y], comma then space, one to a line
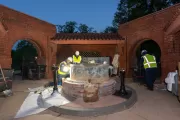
[156, 105]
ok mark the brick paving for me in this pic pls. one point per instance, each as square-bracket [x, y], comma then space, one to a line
[156, 105]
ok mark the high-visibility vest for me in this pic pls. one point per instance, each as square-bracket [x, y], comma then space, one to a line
[76, 59]
[149, 61]
[61, 65]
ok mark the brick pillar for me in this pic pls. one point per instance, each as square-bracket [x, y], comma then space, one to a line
[122, 53]
[167, 47]
[169, 57]
[5, 54]
[164, 67]
[51, 59]
[5, 61]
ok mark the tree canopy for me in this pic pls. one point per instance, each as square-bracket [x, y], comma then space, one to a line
[24, 50]
[73, 27]
[128, 10]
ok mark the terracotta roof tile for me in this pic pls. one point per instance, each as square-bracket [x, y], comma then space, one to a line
[87, 36]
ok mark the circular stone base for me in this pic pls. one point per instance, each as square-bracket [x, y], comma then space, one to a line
[75, 88]
[105, 105]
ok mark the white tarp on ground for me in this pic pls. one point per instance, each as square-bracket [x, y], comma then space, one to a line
[34, 103]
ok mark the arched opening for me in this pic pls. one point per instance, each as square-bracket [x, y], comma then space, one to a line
[153, 48]
[23, 54]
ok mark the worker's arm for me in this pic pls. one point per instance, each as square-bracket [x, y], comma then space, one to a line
[62, 64]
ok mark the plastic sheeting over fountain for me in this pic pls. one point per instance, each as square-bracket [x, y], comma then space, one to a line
[98, 73]
[80, 74]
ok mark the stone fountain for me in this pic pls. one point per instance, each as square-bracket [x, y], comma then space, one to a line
[96, 75]
[79, 76]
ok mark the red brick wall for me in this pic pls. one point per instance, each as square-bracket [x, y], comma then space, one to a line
[171, 52]
[21, 26]
[153, 27]
[65, 51]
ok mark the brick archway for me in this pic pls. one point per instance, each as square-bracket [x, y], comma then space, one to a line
[39, 50]
[16, 26]
[133, 50]
[134, 47]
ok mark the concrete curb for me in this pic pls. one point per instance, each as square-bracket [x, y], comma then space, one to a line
[98, 111]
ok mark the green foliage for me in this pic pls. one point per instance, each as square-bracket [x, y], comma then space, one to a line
[128, 10]
[70, 27]
[110, 29]
[174, 1]
[24, 50]
[73, 27]
[83, 28]
[121, 16]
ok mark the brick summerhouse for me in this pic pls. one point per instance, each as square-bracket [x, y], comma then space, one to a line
[65, 45]
[162, 27]
[15, 26]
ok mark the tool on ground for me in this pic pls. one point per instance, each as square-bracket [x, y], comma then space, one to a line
[7, 91]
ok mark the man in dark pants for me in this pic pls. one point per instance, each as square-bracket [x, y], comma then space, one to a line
[150, 66]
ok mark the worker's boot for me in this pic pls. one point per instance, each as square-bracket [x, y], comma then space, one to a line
[151, 88]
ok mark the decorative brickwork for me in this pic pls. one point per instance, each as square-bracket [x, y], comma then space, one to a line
[87, 36]
[157, 27]
[16, 26]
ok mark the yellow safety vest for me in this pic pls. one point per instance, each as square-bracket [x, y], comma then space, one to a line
[61, 72]
[149, 61]
[76, 59]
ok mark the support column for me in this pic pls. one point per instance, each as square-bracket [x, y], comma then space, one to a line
[164, 68]
[52, 50]
[5, 51]
[5, 61]
[122, 53]
[167, 56]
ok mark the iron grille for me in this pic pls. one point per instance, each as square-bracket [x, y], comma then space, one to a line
[89, 54]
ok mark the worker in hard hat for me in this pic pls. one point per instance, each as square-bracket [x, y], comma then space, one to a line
[77, 58]
[64, 69]
[150, 65]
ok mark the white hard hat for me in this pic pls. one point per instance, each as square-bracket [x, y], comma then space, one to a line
[104, 62]
[70, 59]
[143, 51]
[77, 52]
